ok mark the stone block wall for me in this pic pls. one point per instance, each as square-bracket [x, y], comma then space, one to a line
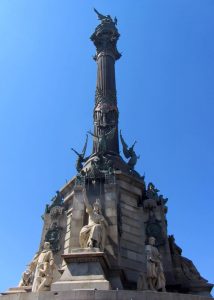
[132, 233]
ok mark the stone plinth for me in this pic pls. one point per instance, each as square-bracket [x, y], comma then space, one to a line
[85, 269]
[102, 295]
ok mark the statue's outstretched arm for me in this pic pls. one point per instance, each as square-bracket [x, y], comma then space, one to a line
[85, 199]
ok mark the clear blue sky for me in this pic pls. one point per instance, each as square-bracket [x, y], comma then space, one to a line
[166, 102]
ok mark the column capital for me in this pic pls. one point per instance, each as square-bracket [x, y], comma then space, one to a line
[105, 38]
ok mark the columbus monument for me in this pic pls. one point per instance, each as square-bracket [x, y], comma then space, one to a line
[105, 232]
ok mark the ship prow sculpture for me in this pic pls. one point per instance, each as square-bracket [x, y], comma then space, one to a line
[106, 229]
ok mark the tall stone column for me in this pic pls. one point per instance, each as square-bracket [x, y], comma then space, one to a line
[105, 111]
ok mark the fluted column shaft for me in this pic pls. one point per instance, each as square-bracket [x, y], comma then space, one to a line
[106, 73]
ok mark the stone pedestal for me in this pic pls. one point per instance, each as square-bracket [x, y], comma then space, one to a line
[85, 269]
[102, 295]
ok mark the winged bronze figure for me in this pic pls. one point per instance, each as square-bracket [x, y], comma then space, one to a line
[129, 153]
[81, 156]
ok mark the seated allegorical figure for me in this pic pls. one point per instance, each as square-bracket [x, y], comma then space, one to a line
[93, 235]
